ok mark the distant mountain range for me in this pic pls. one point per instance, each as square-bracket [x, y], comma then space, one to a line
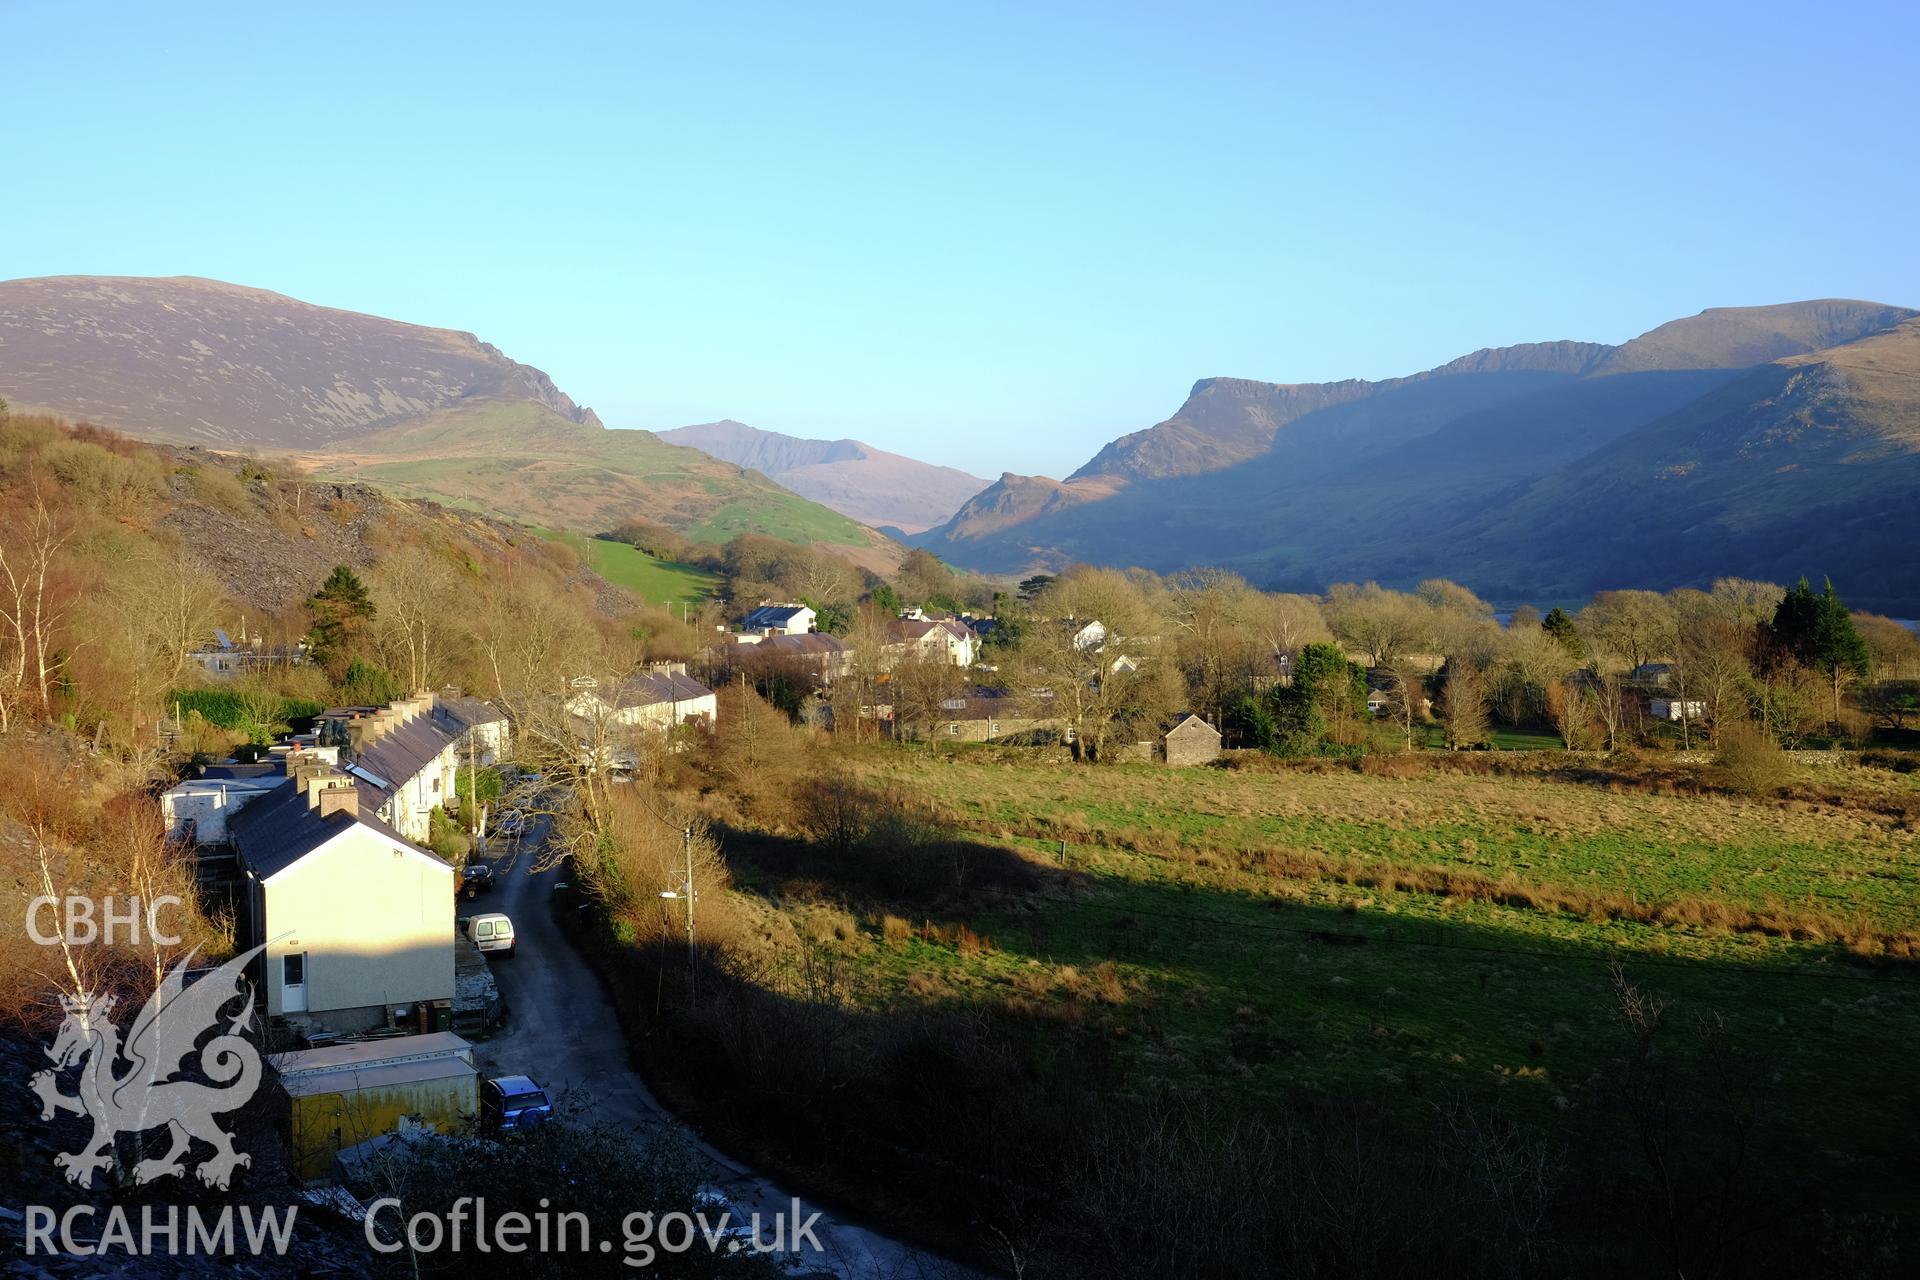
[430, 412]
[1758, 441]
[871, 485]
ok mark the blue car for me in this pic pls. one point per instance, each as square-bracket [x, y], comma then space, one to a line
[514, 1102]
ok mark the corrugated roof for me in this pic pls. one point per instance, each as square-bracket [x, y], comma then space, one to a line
[381, 1076]
[360, 1053]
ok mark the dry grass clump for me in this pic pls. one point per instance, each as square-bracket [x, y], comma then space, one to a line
[1750, 762]
[822, 923]
[958, 936]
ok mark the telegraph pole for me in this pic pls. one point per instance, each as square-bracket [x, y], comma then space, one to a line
[685, 892]
[686, 839]
[473, 787]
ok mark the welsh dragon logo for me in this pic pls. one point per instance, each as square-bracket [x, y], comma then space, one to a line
[134, 1087]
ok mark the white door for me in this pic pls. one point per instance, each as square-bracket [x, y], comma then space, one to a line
[293, 982]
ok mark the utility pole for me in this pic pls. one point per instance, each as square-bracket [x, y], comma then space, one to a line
[685, 893]
[473, 786]
[686, 840]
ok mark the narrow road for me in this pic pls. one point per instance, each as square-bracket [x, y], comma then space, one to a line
[561, 1030]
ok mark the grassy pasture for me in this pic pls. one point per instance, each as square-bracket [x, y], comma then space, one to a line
[1254, 935]
[654, 581]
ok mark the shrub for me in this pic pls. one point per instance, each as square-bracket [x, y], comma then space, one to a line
[447, 840]
[106, 480]
[217, 488]
[1750, 762]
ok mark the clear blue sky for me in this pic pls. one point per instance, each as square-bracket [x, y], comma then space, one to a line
[989, 235]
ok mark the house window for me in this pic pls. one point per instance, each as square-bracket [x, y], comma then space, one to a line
[293, 969]
[992, 728]
[954, 729]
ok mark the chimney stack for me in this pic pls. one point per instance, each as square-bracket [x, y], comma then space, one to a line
[339, 800]
[312, 784]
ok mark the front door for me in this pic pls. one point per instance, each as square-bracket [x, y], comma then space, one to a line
[293, 982]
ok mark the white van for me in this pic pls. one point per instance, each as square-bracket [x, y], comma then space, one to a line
[491, 932]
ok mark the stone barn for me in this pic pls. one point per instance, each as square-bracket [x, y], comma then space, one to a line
[1191, 741]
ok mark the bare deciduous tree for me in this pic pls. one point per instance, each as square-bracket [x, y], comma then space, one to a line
[1463, 702]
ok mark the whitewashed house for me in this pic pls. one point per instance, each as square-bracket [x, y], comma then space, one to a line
[658, 699]
[407, 756]
[197, 810]
[946, 640]
[779, 620]
[477, 724]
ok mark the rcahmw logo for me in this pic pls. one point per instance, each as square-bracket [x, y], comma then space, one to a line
[159, 1228]
[137, 1085]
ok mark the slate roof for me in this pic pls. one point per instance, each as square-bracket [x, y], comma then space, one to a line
[403, 751]
[241, 772]
[771, 615]
[984, 704]
[1187, 719]
[281, 827]
[812, 644]
[466, 711]
[909, 629]
[655, 688]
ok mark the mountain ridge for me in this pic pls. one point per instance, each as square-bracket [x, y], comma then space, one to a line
[207, 362]
[429, 412]
[870, 485]
[1389, 483]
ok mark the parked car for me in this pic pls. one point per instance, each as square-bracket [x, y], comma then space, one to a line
[477, 879]
[513, 823]
[492, 931]
[514, 1102]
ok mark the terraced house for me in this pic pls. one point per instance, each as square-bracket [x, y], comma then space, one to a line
[405, 754]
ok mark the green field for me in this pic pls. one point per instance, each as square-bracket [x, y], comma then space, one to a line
[661, 582]
[1248, 934]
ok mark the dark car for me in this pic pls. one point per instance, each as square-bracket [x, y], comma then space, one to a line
[514, 1102]
[477, 879]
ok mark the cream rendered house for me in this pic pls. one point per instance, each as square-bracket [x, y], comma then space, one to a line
[358, 921]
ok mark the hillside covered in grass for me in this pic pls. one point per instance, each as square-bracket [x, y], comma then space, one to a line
[417, 411]
[523, 459]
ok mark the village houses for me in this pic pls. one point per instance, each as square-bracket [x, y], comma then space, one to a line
[930, 640]
[485, 732]
[660, 698]
[778, 619]
[403, 751]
